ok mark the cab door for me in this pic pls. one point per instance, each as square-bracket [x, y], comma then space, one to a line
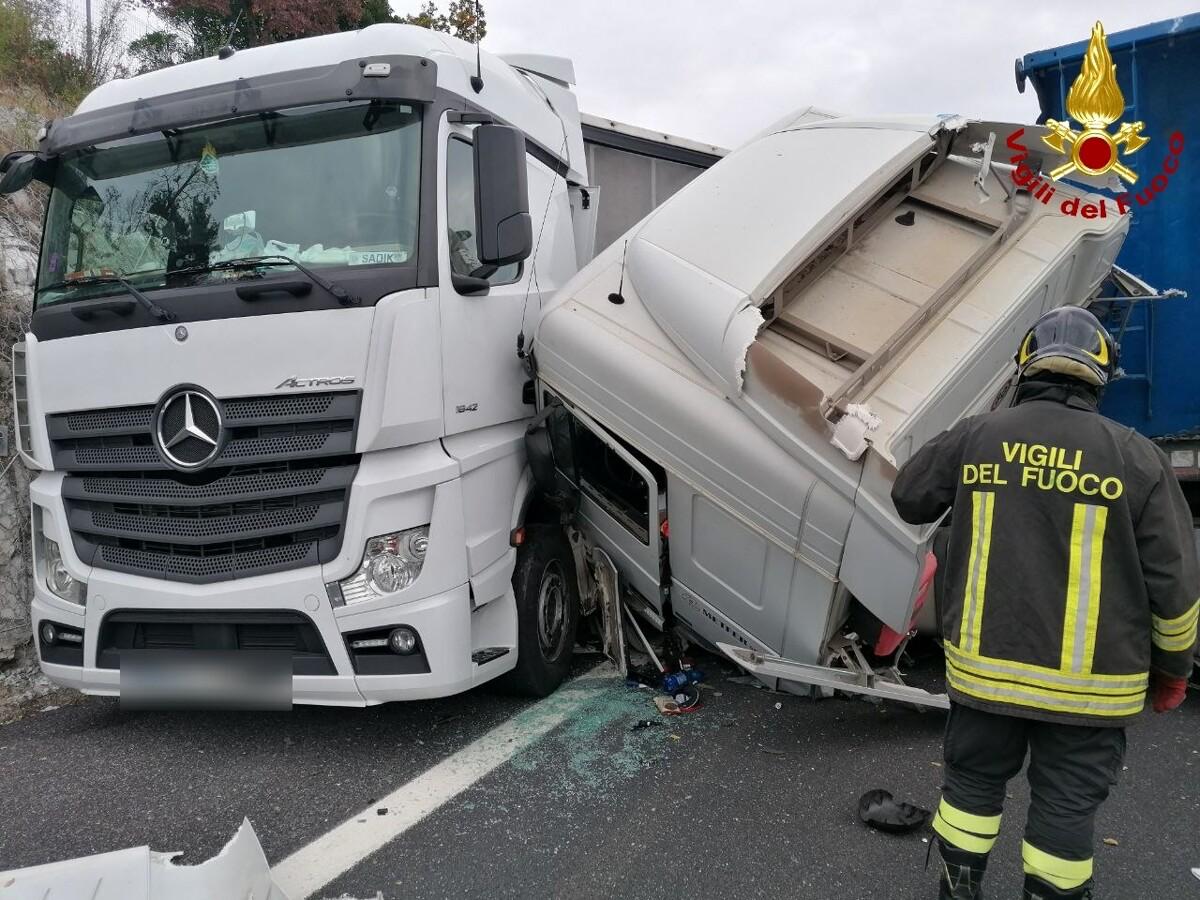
[483, 308]
[622, 497]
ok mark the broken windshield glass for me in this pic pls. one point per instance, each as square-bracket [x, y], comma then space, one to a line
[329, 185]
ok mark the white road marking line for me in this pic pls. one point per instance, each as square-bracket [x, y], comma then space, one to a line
[337, 851]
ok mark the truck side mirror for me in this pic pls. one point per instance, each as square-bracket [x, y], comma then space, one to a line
[17, 169]
[501, 195]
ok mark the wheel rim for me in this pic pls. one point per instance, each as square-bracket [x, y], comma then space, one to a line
[552, 611]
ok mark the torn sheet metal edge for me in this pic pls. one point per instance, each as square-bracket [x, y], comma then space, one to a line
[721, 324]
[765, 667]
[611, 623]
[239, 872]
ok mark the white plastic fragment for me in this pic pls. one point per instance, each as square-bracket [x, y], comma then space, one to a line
[239, 872]
[850, 432]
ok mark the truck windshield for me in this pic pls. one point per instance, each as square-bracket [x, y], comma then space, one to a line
[330, 185]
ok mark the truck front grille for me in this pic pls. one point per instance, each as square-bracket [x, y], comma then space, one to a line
[181, 631]
[273, 499]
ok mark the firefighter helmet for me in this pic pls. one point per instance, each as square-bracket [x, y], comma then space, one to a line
[1071, 341]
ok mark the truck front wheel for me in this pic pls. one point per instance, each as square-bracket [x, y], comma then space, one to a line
[547, 593]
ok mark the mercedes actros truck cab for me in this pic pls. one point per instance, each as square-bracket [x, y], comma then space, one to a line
[274, 380]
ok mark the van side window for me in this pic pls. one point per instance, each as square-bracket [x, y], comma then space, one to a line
[612, 483]
[460, 217]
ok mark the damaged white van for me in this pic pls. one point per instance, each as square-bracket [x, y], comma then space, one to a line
[726, 393]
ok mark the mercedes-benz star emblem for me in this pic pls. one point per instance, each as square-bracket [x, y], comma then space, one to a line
[189, 429]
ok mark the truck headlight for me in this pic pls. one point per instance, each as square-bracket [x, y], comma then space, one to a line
[56, 576]
[390, 563]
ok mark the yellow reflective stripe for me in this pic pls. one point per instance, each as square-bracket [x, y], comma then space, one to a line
[984, 826]
[964, 840]
[982, 503]
[1041, 698]
[1064, 874]
[1083, 588]
[1041, 676]
[1179, 624]
[1175, 644]
[1179, 633]
[1072, 609]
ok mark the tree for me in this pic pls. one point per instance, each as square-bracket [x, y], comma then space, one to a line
[159, 49]
[427, 17]
[45, 42]
[464, 19]
[198, 28]
[376, 11]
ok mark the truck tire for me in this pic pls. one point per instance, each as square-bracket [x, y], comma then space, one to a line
[547, 593]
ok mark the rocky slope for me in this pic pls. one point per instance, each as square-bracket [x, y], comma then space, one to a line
[22, 112]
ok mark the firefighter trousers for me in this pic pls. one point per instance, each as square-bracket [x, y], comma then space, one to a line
[1071, 768]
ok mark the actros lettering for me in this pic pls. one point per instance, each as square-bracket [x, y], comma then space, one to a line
[294, 382]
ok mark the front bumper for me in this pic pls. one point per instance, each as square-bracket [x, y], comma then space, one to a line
[393, 490]
[445, 622]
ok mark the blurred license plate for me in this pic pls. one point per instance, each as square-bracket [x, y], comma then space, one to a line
[206, 679]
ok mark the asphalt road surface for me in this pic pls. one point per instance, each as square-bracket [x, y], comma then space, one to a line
[490, 796]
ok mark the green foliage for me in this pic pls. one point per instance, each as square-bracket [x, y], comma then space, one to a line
[197, 28]
[159, 49]
[29, 55]
[427, 17]
[376, 11]
[464, 19]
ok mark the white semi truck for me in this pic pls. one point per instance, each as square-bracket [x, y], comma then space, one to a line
[274, 382]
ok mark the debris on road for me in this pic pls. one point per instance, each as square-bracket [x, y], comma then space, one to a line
[677, 681]
[881, 811]
[688, 699]
[239, 871]
[666, 706]
[1112, 842]
[645, 723]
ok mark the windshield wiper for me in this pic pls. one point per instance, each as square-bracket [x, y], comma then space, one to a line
[335, 290]
[163, 315]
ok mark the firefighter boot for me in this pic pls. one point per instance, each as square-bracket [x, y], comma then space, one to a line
[962, 873]
[1036, 889]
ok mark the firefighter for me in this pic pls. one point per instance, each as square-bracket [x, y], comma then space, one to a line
[1072, 593]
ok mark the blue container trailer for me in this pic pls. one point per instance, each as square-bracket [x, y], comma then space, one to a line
[1157, 68]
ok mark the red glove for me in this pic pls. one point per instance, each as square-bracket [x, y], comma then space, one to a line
[1166, 692]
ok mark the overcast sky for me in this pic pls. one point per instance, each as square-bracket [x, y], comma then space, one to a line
[719, 71]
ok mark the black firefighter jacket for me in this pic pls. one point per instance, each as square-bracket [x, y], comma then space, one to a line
[1071, 568]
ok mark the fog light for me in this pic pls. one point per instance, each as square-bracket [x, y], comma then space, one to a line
[402, 641]
[49, 634]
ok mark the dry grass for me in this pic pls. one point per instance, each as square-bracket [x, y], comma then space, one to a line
[23, 110]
